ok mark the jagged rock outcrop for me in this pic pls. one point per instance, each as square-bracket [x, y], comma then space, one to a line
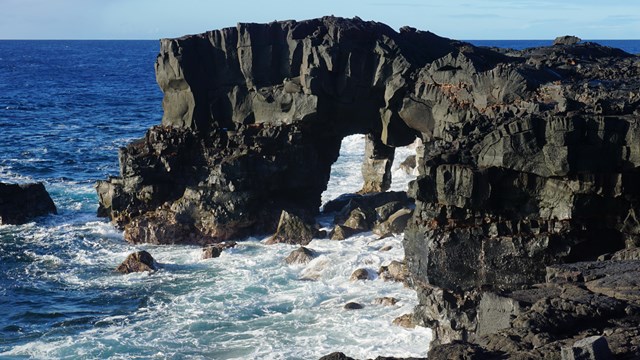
[292, 229]
[543, 174]
[530, 158]
[582, 309]
[20, 203]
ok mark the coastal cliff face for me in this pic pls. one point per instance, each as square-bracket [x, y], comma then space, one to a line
[530, 157]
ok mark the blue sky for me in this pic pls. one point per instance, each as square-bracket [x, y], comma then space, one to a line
[460, 19]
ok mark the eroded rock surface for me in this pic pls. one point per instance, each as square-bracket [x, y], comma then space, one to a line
[529, 159]
[585, 310]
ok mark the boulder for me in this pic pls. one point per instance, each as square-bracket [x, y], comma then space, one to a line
[20, 203]
[138, 261]
[302, 255]
[360, 274]
[353, 306]
[395, 224]
[360, 220]
[341, 232]
[215, 250]
[590, 348]
[382, 204]
[384, 211]
[395, 271]
[405, 321]
[292, 229]
[385, 301]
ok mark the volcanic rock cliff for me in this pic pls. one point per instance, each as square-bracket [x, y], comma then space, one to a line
[530, 157]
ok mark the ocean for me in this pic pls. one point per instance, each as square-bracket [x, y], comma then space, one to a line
[65, 109]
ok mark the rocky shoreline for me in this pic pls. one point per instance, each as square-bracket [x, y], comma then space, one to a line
[528, 172]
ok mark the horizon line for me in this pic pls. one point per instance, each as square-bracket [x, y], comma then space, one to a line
[157, 39]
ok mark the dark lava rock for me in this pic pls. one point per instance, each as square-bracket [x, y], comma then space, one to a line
[627, 254]
[562, 317]
[353, 306]
[376, 168]
[302, 255]
[360, 274]
[341, 232]
[336, 356]
[460, 351]
[591, 348]
[376, 202]
[385, 301]
[215, 250]
[384, 211]
[20, 203]
[408, 164]
[531, 158]
[360, 219]
[566, 40]
[292, 229]
[139, 261]
[405, 321]
[395, 271]
[395, 224]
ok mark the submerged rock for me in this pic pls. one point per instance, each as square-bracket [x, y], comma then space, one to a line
[302, 255]
[139, 261]
[405, 321]
[385, 301]
[20, 203]
[215, 250]
[353, 306]
[359, 274]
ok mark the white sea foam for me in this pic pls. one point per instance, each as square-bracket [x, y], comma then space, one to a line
[246, 304]
[249, 304]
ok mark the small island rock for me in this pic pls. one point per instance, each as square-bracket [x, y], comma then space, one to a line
[302, 255]
[138, 261]
[20, 203]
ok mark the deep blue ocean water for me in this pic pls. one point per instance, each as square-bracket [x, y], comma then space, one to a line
[65, 109]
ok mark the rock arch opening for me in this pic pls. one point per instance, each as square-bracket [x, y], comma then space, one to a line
[365, 165]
